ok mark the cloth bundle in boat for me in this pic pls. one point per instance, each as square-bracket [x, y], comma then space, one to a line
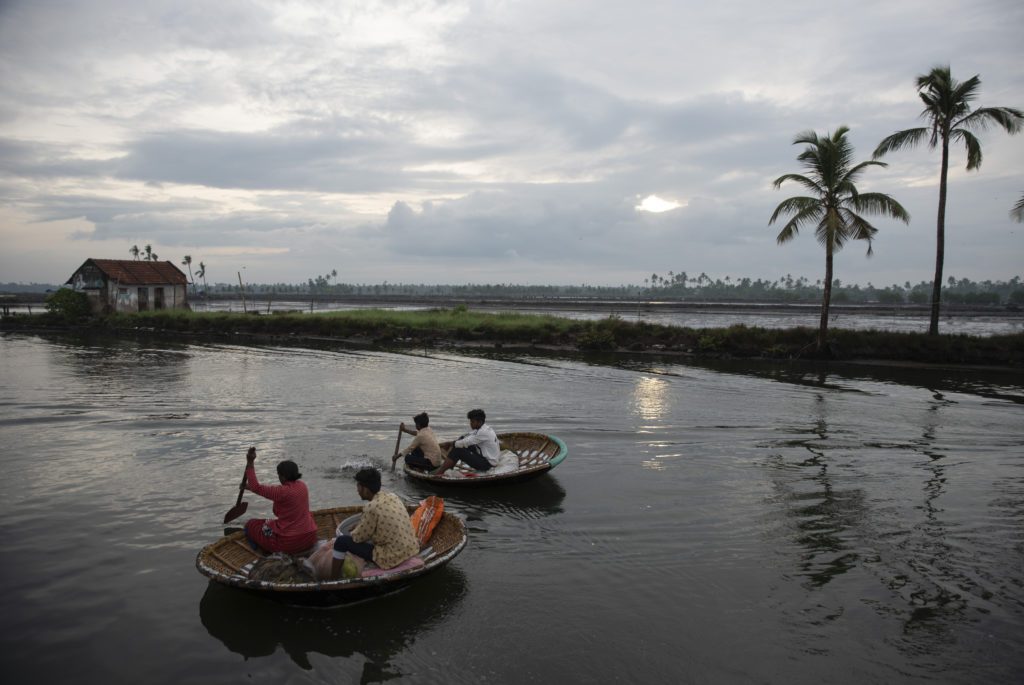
[280, 568]
[425, 518]
[320, 563]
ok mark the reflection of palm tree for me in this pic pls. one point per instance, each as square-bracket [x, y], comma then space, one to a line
[947, 109]
[927, 586]
[824, 516]
[833, 205]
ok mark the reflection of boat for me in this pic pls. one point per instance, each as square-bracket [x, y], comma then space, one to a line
[540, 498]
[229, 560]
[374, 631]
[535, 453]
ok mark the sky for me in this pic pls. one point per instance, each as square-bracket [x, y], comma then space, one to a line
[487, 141]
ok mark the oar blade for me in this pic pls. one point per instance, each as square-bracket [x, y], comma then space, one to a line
[236, 511]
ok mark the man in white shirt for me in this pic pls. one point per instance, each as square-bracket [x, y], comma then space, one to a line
[479, 448]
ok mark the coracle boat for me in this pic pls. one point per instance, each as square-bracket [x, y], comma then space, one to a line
[231, 559]
[523, 456]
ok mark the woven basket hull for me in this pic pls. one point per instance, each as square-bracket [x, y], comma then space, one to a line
[228, 560]
[538, 454]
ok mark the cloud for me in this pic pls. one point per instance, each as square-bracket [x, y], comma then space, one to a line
[485, 141]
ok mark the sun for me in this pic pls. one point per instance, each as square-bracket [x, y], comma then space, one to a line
[654, 204]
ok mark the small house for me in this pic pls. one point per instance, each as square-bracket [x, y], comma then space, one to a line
[129, 286]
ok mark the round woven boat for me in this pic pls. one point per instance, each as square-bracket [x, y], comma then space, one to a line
[537, 454]
[230, 559]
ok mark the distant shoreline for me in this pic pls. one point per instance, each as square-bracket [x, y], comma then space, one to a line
[260, 301]
[462, 328]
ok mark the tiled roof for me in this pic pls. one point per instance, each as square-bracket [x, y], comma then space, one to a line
[140, 272]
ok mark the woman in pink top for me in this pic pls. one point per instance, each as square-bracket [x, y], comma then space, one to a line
[293, 530]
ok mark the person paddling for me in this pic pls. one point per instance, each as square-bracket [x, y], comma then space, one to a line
[424, 452]
[294, 529]
[479, 448]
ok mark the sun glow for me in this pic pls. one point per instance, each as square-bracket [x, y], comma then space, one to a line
[654, 204]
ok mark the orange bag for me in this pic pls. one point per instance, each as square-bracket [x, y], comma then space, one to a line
[426, 517]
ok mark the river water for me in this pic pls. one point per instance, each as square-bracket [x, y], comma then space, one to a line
[742, 523]
[697, 315]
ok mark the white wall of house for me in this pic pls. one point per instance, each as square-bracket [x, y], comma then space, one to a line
[134, 298]
[127, 298]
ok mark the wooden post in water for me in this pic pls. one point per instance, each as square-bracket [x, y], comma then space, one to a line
[242, 288]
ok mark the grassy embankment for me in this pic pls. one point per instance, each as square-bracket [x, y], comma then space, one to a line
[461, 327]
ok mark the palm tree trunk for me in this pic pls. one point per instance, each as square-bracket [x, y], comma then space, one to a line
[940, 238]
[823, 326]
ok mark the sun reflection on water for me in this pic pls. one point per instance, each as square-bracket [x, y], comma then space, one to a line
[649, 399]
[650, 403]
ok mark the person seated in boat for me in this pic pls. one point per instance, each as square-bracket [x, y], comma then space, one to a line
[424, 452]
[384, 533]
[294, 529]
[478, 448]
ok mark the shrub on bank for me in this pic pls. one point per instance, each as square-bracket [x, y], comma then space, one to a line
[605, 335]
[68, 304]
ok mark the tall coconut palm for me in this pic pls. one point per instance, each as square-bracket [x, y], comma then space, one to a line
[187, 261]
[1018, 210]
[134, 251]
[833, 206]
[149, 253]
[947, 110]
[202, 274]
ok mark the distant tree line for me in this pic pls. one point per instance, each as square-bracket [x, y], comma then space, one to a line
[788, 288]
[671, 287]
[321, 286]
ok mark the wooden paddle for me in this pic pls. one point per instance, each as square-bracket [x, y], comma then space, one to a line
[240, 506]
[397, 443]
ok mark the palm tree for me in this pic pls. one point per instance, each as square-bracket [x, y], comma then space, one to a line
[1018, 210]
[202, 274]
[187, 261]
[947, 110]
[149, 253]
[134, 251]
[834, 204]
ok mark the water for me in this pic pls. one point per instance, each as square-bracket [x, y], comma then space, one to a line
[685, 314]
[688, 315]
[745, 523]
